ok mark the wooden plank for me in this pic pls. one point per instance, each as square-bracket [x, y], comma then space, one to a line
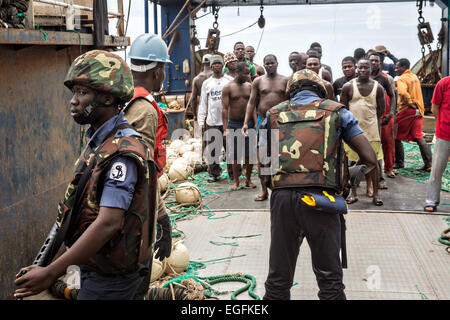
[30, 16]
[120, 24]
[43, 9]
[37, 37]
[47, 21]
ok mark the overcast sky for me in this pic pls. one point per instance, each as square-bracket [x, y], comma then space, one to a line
[339, 28]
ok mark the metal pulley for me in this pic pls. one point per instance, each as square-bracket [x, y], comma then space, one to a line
[425, 33]
[213, 39]
[261, 20]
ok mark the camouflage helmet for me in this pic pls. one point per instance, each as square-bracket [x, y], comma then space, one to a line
[304, 77]
[102, 71]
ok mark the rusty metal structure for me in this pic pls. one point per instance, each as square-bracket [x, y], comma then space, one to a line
[39, 140]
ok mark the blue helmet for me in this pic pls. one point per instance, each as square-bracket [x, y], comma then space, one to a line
[149, 47]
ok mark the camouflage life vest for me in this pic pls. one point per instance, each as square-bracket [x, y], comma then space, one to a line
[309, 149]
[120, 255]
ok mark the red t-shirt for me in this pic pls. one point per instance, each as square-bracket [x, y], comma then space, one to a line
[441, 97]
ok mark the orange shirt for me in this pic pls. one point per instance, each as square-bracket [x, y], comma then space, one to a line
[409, 91]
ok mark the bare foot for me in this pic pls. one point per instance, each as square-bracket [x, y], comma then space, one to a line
[262, 197]
[249, 184]
[234, 187]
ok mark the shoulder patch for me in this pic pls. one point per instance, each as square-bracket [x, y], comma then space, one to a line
[118, 171]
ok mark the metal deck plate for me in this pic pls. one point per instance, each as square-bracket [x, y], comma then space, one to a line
[412, 264]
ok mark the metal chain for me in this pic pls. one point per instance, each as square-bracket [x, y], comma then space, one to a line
[435, 74]
[420, 5]
[216, 16]
[421, 20]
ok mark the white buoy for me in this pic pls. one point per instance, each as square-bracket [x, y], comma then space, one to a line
[178, 259]
[193, 158]
[157, 269]
[163, 182]
[185, 148]
[187, 193]
[171, 156]
[197, 147]
[176, 145]
[180, 170]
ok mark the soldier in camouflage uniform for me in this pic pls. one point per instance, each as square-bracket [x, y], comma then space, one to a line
[307, 184]
[110, 240]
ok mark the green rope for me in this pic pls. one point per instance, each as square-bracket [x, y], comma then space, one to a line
[412, 154]
[234, 244]
[444, 240]
[250, 283]
[422, 295]
[207, 282]
[42, 31]
[229, 214]
[79, 38]
[22, 17]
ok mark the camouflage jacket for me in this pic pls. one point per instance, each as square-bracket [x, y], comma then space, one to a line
[310, 151]
[120, 255]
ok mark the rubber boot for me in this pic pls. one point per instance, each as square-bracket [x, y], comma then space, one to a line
[399, 155]
[425, 152]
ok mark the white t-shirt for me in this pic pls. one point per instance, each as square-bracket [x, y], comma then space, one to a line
[210, 108]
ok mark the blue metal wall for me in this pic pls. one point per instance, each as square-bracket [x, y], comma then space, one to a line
[175, 79]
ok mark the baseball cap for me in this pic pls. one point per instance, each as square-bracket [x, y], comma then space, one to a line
[206, 58]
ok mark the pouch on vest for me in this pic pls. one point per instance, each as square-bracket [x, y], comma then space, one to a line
[324, 201]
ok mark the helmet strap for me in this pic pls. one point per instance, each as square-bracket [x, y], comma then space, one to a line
[144, 67]
[88, 110]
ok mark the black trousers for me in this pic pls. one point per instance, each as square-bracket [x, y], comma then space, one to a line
[292, 221]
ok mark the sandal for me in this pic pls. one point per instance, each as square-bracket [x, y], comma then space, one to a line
[351, 199]
[369, 193]
[430, 206]
[261, 197]
[390, 174]
[382, 186]
[377, 201]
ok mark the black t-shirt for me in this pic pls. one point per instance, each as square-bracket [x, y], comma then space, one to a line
[385, 83]
[338, 84]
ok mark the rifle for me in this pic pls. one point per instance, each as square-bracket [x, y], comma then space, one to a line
[43, 257]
